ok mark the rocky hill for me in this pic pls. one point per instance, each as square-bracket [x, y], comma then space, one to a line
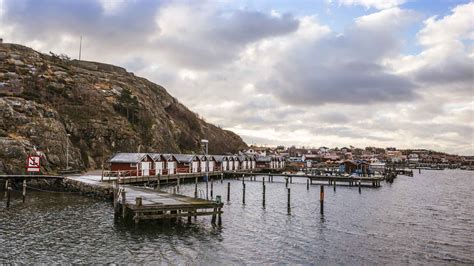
[51, 102]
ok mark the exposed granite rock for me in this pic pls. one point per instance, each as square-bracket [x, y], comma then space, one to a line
[103, 108]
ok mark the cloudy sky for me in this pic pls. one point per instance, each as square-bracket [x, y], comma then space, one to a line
[309, 72]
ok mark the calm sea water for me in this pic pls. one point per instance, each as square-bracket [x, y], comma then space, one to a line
[424, 219]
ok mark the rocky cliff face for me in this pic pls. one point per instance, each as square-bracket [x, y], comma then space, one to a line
[50, 102]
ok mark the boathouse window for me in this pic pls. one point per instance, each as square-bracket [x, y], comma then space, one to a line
[133, 164]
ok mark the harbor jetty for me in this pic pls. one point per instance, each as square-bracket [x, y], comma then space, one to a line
[134, 182]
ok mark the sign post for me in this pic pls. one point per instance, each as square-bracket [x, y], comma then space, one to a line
[33, 164]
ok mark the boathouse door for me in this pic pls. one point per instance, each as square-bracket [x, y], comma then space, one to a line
[145, 166]
[195, 166]
[159, 168]
[171, 167]
[211, 166]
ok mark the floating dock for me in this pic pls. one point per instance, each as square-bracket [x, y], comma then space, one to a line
[147, 204]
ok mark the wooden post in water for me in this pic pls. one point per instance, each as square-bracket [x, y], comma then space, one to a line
[9, 190]
[286, 181]
[214, 214]
[289, 199]
[321, 199]
[243, 194]
[138, 201]
[219, 218]
[419, 170]
[177, 188]
[228, 191]
[212, 188]
[263, 202]
[115, 195]
[24, 190]
[196, 187]
[360, 190]
[222, 177]
[124, 206]
[158, 183]
[6, 187]
[334, 185]
[307, 184]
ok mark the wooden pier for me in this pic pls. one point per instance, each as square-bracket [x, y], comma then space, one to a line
[372, 181]
[147, 204]
[158, 180]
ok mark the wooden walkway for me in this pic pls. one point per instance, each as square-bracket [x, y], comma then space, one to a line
[165, 179]
[147, 204]
[373, 181]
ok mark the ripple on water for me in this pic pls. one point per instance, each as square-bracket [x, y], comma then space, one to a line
[423, 219]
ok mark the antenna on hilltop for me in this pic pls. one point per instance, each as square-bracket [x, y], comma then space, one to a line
[80, 48]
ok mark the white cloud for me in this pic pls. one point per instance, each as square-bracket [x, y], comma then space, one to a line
[452, 28]
[377, 4]
[275, 78]
[112, 6]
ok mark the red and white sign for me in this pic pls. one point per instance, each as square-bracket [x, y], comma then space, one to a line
[33, 163]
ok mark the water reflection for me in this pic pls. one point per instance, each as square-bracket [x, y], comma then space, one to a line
[423, 219]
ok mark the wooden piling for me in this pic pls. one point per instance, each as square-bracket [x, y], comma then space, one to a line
[24, 190]
[138, 201]
[263, 201]
[286, 181]
[9, 190]
[360, 189]
[214, 214]
[334, 185]
[307, 184]
[222, 177]
[196, 187]
[243, 193]
[321, 199]
[6, 187]
[219, 218]
[114, 191]
[228, 191]
[289, 199]
[124, 206]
